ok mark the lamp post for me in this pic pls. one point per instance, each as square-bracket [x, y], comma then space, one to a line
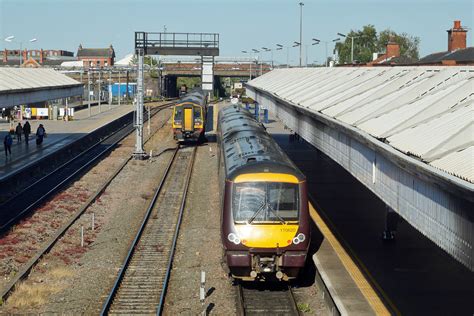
[301, 4]
[352, 44]
[10, 40]
[258, 60]
[271, 53]
[250, 63]
[316, 42]
[280, 47]
[296, 44]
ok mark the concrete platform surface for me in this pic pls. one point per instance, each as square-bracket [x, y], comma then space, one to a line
[59, 134]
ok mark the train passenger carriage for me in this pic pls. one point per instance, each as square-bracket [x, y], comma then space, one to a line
[189, 116]
[265, 220]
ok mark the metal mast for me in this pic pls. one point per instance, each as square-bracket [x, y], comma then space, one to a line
[139, 153]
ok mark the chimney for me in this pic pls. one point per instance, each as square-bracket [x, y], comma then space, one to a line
[456, 37]
[393, 49]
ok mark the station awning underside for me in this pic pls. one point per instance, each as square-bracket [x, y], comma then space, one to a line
[20, 86]
[405, 132]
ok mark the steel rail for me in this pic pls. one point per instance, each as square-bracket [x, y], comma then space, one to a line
[6, 291]
[266, 301]
[118, 280]
[20, 214]
[159, 309]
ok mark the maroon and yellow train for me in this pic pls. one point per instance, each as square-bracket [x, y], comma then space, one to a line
[265, 221]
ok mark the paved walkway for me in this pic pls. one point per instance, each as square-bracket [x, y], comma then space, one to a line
[59, 134]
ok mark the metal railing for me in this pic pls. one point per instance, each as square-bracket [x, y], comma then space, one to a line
[144, 40]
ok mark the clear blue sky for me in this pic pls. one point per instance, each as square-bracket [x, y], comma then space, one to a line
[242, 24]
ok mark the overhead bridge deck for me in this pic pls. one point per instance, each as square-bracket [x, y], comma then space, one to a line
[403, 132]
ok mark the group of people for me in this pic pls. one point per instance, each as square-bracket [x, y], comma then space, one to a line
[22, 130]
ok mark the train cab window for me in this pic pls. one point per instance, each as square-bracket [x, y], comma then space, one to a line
[197, 114]
[265, 202]
[178, 115]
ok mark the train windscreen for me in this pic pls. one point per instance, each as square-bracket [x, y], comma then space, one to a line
[178, 114]
[260, 202]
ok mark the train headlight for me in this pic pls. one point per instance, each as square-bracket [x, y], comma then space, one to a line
[300, 238]
[233, 238]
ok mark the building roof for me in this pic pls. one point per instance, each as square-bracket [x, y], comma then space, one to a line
[27, 79]
[96, 52]
[423, 112]
[460, 55]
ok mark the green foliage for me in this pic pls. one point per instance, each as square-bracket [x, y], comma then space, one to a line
[304, 307]
[190, 82]
[367, 42]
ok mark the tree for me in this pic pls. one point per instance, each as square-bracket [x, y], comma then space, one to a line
[367, 42]
[147, 60]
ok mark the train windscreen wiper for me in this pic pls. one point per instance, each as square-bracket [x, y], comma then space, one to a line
[276, 214]
[257, 212]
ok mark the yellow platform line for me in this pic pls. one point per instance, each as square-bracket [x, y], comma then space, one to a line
[370, 295]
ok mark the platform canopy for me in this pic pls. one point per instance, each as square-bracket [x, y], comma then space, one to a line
[20, 86]
[424, 112]
[406, 133]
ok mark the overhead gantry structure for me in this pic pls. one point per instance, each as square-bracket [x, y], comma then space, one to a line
[205, 45]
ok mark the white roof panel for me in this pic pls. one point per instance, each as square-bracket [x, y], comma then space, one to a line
[17, 79]
[426, 112]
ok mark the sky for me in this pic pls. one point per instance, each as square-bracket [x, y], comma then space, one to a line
[242, 24]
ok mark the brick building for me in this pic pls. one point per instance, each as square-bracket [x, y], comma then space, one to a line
[457, 53]
[37, 57]
[96, 57]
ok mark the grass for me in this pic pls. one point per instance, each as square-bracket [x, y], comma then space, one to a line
[29, 294]
[304, 307]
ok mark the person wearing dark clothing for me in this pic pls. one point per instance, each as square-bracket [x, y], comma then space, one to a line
[27, 130]
[7, 143]
[40, 133]
[18, 132]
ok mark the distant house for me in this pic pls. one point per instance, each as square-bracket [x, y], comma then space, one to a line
[96, 57]
[34, 57]
[457, 53]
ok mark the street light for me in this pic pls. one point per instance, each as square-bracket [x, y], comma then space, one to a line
[10, 40]
[301, 4]
[271, 53]
[317, 41]
[250, 63]
[280, 47]
[352, 44]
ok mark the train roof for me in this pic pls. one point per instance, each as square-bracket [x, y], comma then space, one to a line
[194, 96]
[248, 148]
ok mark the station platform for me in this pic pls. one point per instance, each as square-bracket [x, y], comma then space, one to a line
[59, 134]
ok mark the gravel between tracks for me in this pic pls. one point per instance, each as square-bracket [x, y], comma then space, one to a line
[73, 279]
[199, 246]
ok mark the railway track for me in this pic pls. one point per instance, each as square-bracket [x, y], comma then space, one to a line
[264, 299]
[25, 201]
[141, 285]
[4, 293]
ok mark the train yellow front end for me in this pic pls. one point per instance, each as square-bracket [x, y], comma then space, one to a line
[189, 115]
[265, 219]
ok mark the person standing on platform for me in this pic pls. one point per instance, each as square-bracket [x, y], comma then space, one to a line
[7, 143]
[27, 131]
[40, 133]
[18, 132]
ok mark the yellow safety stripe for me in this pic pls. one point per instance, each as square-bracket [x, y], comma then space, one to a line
[364, 286]
[266, 177]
